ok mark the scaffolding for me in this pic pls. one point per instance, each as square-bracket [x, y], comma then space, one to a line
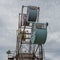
[25, 49]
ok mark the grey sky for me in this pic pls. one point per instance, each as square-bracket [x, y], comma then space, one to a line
[49, 11]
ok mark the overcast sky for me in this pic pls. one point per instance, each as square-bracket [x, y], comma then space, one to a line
[49, 12]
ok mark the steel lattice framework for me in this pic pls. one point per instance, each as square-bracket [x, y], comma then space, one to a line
[25, 49]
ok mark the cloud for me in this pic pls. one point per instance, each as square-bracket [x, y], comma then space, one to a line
[51, 47]
[8, 26]
[49, 11]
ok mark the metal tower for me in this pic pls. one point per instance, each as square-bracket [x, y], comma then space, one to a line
[31, 35]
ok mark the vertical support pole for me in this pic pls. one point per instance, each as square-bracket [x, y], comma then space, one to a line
[19, 22]
[23, 32]
[38, 14]
[30, 47]
[40, 52]
[18, 48]
[21, 25]
[22, 14]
